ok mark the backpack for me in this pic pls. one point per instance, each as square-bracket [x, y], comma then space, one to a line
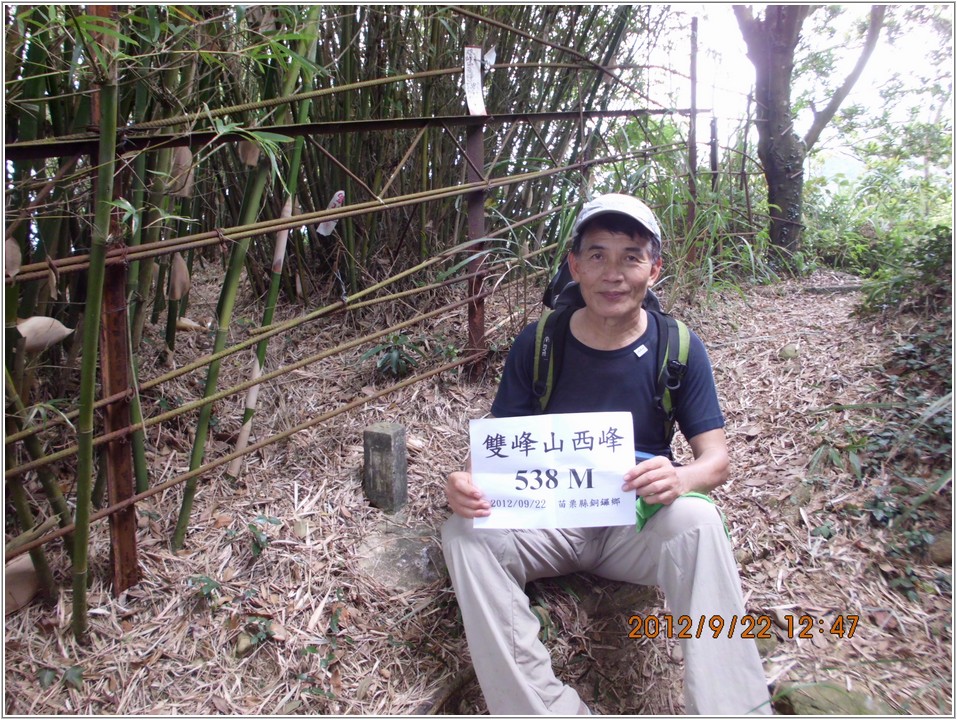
[562, 297]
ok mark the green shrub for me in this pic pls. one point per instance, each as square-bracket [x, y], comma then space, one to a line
[920, 282]
[395, 355]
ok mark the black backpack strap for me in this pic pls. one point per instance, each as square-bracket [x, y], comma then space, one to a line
[550, 334]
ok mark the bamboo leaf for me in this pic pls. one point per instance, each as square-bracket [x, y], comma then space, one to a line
[74, 677]
[94, 25]
[179, 281]
[11, 258]
[269, 137]
[130, 214]
[446, 274]
[41, 332]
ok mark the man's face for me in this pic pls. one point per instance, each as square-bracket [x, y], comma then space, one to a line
[614, 272]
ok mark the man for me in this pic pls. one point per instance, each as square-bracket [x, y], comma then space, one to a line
[683, 548]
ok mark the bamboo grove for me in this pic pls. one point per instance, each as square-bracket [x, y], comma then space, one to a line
[155, 140]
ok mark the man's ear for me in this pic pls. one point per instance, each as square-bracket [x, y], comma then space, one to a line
[573, 265]
[655, 272]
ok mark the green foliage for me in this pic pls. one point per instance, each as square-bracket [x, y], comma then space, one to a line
[842, 452]
[258, 628]
[205, 586]
[901, 455]
[908, 583]
[46, 677]
[395, 355]
[922, 281]
[260, 540]
[73, 676]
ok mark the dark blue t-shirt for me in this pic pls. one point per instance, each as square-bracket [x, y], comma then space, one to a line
[609, 380]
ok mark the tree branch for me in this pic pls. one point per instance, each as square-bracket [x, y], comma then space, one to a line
[749, 26]
[822, 118]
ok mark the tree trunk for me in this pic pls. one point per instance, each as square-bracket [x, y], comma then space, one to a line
[771, 44]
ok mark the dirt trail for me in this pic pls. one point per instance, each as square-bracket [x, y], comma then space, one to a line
[781, 355]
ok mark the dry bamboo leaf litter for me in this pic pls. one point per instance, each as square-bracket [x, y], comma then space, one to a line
[355, 647]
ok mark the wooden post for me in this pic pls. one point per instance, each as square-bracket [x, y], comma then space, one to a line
[384, 477]
[116, 376]
[714, 154]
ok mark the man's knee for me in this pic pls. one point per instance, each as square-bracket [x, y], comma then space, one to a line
[687, 513]
[460, 538]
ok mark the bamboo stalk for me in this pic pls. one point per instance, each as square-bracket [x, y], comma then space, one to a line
[227, 299]
[158, 200]
[91, 332]
[279, 252]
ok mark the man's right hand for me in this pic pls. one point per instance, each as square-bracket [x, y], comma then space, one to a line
[464, 498]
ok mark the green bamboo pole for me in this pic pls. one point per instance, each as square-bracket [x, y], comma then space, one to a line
[279, 253]
[138, 189]
[137, 439]
[138, 198]
[227, 299]
[138, 436]
[151, 235]
[28, 128]
[15, 344]
[173, 303]
[157, 203]
[350, 77]
[106, 162]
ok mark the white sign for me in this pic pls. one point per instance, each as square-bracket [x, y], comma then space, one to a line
[554, 471]
[473, 80]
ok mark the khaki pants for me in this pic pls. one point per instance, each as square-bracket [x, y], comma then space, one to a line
[683, 549]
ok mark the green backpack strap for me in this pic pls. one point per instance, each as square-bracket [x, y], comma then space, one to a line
[674, 342]
[550, 332]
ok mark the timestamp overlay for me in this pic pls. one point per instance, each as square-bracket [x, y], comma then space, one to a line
[687, 627]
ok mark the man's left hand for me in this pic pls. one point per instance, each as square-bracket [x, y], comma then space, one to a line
[656, 480]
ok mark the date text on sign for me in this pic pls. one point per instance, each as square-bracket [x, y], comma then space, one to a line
[554, 471]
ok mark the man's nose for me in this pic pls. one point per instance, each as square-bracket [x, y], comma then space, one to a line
[613, 270]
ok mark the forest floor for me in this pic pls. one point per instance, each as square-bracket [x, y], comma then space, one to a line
[277, 554]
